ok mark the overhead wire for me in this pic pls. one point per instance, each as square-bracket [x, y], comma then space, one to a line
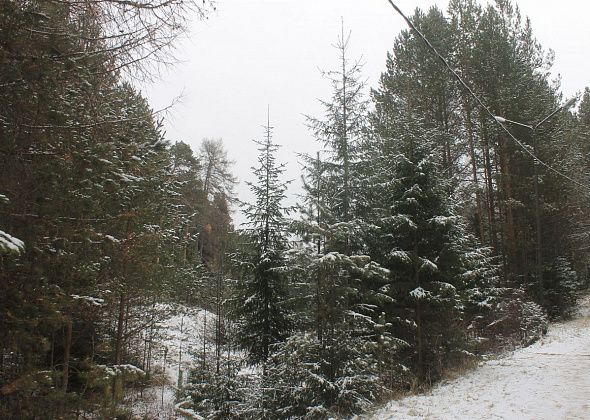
[496, 119]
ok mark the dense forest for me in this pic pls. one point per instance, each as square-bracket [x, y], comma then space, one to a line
[444, 218]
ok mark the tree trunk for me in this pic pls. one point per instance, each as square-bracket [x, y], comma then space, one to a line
[117, 384]
[489, 188]
[67, 348]
[204, 340]
[419, 344]
[180, 379]
[120, 329]
[66, 369]
[473, 157]
[509, 228]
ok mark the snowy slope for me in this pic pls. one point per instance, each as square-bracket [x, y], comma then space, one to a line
[181, 334]
[548, 380]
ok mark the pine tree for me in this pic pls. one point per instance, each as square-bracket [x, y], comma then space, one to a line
[84, 169]
[494, 50]
[308, 382]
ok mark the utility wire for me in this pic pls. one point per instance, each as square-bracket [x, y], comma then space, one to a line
[497, 120]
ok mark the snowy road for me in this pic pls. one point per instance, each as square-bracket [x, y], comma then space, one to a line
[548, 380]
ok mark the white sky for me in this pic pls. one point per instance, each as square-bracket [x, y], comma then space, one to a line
[254, 53]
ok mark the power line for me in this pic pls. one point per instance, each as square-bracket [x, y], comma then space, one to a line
[479, 101]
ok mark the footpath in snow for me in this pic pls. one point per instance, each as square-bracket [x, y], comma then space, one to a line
[548, 380]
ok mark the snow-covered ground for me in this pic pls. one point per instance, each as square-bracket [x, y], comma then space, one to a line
[548, 380]
[181, 335]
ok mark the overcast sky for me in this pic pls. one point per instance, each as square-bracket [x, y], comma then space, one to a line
[254, 53]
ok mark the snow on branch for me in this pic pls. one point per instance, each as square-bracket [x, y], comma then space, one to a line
[419, 293]
[89, 299]
[10, 245]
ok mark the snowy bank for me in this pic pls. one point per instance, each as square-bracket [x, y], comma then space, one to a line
[548, 380]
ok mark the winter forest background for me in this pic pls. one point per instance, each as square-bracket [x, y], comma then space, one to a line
[433, 230]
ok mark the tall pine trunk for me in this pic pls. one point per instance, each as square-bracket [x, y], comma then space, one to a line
[509, 225]
[473, 157]
[490, 194]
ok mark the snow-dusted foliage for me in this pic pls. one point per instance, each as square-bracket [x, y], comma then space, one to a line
[223, 395]
[503, 319]
[9, 244]
[561, 284]
[416, 233]
[313, 380]
[97, 212]
[260, 306]
[420, 244]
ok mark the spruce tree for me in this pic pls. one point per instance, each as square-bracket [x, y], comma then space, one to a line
[343, 281]
[417, 235]
[261, 305]
[340, 132]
